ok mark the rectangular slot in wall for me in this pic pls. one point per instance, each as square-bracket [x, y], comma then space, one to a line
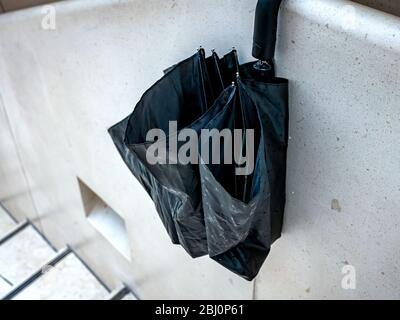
[105, 220]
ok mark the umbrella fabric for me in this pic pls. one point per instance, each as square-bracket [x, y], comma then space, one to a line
[243, 215]
[208, 208]
[184, 94]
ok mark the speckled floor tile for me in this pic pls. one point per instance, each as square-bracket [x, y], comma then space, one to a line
[129, 296]
[68, 280]
[6, 223]
[4, 286]
[23, 254]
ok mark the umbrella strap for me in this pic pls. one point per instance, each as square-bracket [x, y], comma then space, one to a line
[202, 66]
[216, 62]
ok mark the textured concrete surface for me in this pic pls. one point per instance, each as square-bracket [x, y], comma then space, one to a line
[6, 223]
[129, 296]
[68, 280]
[14, 190]
[22, 255]
[343, 184]
[61, 89]
[89, 73]
[5, 286]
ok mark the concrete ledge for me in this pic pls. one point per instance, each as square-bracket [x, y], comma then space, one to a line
[62, 89]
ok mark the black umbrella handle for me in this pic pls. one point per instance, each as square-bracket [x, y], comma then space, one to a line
[265, 28]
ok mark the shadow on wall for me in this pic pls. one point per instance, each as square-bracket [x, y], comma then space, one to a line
[11, 5]
[388, 6]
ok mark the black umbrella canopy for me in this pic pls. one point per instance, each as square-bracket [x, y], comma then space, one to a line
[244, 217]
[184, 95]
[230, 209]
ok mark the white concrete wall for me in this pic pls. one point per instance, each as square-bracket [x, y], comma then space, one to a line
[14, 191]
[344, 67]
[62, 89]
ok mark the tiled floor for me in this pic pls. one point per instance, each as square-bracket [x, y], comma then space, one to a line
[4, 287]
[22, 255]
[27, 252]
[69, 279]
[129, 296]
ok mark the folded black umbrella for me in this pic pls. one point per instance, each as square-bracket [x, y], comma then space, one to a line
[243, 214]
[209, 208]
[184, 94]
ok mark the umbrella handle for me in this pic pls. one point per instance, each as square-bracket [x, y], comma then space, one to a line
[265, 27]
